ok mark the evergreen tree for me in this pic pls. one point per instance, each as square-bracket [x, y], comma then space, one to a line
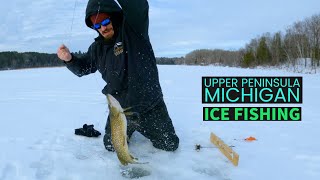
[248, 59]
[263, 52]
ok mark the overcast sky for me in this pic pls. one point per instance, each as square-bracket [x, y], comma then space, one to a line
[176, 26]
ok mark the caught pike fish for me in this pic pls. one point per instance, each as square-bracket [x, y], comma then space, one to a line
[118, 123]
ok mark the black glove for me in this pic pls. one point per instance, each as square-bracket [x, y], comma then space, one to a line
[87, 130]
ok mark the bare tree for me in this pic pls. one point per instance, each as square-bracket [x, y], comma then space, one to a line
[313, 29]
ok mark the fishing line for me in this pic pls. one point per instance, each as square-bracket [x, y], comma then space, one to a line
[71, 27]
[68, 39]
[96, 64]
[197, 147]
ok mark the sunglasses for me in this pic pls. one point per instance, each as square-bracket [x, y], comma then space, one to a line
[103, 23]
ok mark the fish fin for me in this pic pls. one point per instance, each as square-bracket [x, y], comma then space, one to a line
[131, 114]
[133, 157]
[136, 162]
[141, 162]
[126, 109]
[127, 112]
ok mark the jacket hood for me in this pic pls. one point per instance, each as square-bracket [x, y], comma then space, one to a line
[106, 6]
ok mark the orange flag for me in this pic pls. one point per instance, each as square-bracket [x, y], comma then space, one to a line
[250, 139]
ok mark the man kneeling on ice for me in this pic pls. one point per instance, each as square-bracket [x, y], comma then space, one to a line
[123, 55]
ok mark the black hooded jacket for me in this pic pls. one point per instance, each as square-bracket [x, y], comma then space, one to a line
[126, 62]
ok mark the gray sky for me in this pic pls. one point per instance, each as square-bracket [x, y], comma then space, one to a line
[176, 26]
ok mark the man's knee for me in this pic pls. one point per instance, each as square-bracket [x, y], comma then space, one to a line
[172, 146]
[107, 142]
[167, 144]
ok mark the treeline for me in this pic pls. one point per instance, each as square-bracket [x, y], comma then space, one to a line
[169, 61]
[215, 57]
[299, 42]
[16, 60]
[205, 57]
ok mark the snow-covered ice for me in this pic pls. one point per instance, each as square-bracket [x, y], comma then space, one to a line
[40, 108]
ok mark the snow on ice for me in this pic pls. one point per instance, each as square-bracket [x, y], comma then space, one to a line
[40, 108]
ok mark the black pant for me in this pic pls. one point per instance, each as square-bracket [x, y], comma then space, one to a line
[154, 124]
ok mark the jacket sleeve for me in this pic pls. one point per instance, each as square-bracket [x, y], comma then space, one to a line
[84, 65]
[136, 13]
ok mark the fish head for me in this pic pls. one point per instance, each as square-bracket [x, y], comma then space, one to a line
[114, 104]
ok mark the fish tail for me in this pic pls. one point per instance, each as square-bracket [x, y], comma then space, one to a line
[123, 161]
